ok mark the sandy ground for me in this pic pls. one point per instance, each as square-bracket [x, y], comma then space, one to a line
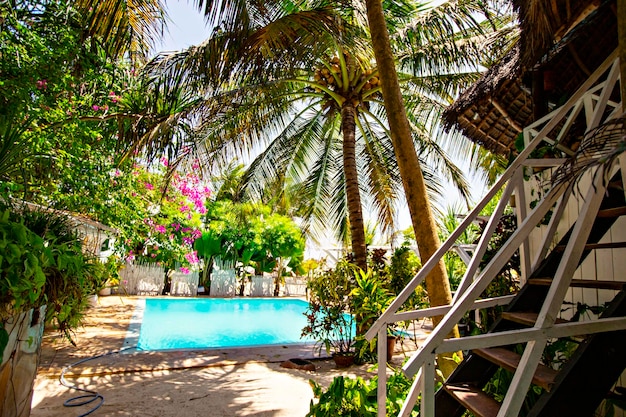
[225, 382]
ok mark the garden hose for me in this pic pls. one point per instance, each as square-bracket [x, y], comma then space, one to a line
[89, 396]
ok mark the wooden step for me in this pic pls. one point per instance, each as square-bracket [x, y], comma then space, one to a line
[612, 212]
[594, 246]
[583, 283]
[527, 318]
[509, 360]
[474, 399]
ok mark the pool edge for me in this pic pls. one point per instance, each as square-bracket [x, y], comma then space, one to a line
[134, 327]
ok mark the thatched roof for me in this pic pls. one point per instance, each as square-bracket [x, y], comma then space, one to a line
[564, 42]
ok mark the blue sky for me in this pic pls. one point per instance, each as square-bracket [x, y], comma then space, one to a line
[186, 28]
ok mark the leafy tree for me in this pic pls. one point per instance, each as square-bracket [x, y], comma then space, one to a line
[60, 87]
[438, 48]
[250, 235]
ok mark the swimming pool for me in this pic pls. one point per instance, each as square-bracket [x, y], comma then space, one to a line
[220, 322]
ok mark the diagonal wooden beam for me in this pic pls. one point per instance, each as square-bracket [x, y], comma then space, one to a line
[621, 35]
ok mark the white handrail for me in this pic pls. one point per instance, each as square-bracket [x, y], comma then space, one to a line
[466, 297]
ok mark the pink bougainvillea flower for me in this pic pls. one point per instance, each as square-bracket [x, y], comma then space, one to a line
[184, 270]
[184, 209]
[165, 162]
[192, 257]
[95, 107]
[160, 228]
[149, 186]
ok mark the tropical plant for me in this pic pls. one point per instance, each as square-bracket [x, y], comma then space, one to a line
[329, 315]
[357, 397]
[24, 258]
[43, 264]
[158, 217]
[250, 235]
[403, 265]
[369, 298]
[455, 266]
[123, 28]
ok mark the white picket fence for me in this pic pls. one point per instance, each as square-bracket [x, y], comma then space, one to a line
[184, 284]
[148, 279]
[295, 287]
[261, 286]
[223, 282]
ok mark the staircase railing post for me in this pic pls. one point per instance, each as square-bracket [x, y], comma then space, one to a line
[382, 371]
[427, 406]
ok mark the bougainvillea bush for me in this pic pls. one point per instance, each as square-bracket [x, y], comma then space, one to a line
[158, 220]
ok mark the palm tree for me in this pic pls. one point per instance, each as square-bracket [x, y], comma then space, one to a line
[329, 126]
[408, 162]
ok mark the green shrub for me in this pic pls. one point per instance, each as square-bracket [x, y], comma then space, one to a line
[42, 263]
[348, 397]
[329, 315]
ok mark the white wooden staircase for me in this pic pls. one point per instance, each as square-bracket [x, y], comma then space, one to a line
[593, 179]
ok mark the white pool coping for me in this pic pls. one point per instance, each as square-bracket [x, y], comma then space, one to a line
[134, 328]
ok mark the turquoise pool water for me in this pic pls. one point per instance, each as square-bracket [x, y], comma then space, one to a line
[221, 322]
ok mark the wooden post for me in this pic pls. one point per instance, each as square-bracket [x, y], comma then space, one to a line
[382, 372]
[621, 34]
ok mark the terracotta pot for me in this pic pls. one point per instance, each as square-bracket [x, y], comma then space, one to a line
[391, 346]
[343, 360]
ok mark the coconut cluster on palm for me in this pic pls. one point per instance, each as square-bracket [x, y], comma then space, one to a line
[351, 79]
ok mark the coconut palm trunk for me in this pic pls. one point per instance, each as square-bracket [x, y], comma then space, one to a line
[410, 170]
[353, 196]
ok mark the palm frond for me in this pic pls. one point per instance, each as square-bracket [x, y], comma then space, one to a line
[14, 147]
[124, 26]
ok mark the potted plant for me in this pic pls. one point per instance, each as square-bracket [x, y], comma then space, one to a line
[334, 329]
[110, 274]
[329, 317]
